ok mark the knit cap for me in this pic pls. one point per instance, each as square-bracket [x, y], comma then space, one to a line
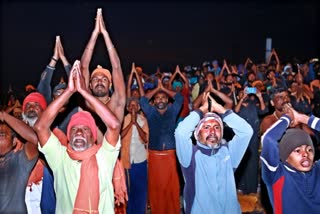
[292, 139]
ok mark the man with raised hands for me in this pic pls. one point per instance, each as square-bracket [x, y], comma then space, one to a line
[82, 170]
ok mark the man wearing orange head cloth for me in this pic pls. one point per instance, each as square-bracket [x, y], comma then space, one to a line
[101, 83]
[83, 169]
[40, 197]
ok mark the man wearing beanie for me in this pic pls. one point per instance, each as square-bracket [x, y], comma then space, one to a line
[208, 167]
[288, 170]
[83, 169]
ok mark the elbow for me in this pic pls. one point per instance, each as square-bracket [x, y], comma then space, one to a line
[38, 126]
[249, 131]
[115, 125]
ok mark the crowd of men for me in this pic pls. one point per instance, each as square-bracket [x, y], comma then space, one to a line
[103, 142]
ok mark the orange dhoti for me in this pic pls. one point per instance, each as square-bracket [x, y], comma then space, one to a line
[163, 182]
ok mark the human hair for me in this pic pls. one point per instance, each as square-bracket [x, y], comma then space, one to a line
[131, 99]
[13, 133]
[276, 90]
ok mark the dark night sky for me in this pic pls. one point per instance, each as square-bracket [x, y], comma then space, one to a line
[154, 34]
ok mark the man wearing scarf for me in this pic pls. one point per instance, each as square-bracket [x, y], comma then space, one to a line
[82, 169]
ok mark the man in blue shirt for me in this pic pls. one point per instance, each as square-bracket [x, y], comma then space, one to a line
[163, 179]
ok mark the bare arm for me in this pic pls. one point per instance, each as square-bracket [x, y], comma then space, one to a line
[238, 106]
[88, 51]
[261, 101]
[129, 83]
[139, 81]
[172, 77]
[277, 60]
[118, 98]
[25, 131]
[62, 55]
[15, 105]
[228, 102]
[134, 122]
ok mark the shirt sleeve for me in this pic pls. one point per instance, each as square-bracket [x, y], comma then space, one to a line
[54, 151]
[270, 158]
[314, 123]
[242, 136]
[183, 135]
[44, 86]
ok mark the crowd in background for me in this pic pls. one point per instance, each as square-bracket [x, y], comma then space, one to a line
[252, 90]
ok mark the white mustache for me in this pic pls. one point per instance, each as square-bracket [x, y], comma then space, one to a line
[79, 138]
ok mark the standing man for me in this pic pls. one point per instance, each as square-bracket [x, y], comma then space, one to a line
[82, 169]
[40, 196]
[100, 83]
[163, 179]
[135, 136]
[208, 167]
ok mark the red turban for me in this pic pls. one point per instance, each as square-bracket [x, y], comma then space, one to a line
[103, 71]
[35, 97]
[83, 118]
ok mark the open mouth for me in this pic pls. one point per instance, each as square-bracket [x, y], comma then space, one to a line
[306, 163]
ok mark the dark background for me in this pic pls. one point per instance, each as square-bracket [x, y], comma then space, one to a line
[153, 34]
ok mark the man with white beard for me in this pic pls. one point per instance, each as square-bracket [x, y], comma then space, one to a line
[40, 197]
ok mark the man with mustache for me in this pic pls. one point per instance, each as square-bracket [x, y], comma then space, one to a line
[291, 176]
[208, 166]
[40, 195]
[163, 178]
[279, 96]
[82, 169]
[101, 83]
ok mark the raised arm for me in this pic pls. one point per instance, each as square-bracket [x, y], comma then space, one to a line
[160, 87]
[183, 77]
[129, 82]
[139, 81]
[228, 103]
[42, 126]
[172, 77]
[118, 98]
[44, 86]
[277, 59]
[25, 131]
[248, 60]
[65, 62]
[88, 51]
